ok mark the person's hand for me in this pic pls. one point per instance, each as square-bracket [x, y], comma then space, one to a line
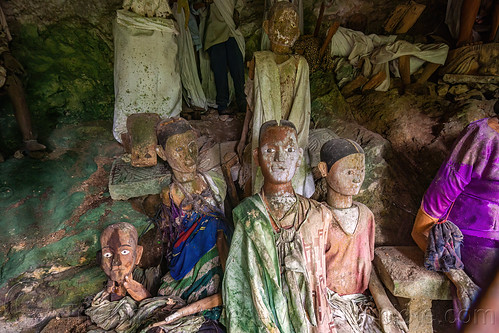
[392, 321]
[235, 17]
[137, 291]
[11, 64]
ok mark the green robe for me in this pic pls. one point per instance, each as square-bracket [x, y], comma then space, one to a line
[256, 297]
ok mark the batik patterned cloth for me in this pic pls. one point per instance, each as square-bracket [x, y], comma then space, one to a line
[444, 248]
[469, 178]
[201, 281]
[253, 290]
[194, 263]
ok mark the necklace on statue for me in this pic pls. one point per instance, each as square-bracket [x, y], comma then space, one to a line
[292, 210]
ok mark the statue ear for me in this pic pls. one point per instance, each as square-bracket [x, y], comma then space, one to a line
[322, 166]
[266, 26]
[161, 152]
[300, 151]
[99, 257]
[255, 156]
[138, 250]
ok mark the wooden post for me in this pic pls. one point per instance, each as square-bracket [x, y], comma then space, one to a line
[319, 19]
[405, 69]
[429, 69]
[332, 30]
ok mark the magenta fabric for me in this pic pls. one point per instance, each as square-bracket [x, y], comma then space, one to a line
[469, 177]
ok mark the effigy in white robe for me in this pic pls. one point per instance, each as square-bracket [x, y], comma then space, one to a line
[281, 91]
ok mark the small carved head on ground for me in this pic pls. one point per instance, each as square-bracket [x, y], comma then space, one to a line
[120, 252]
[343, 166]
[278, 154]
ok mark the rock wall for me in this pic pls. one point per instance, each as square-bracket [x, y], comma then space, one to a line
[67, 52]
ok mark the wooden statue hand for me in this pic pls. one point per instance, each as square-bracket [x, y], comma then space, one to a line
[467, 290]
[392, 321]
[240, 150]
[136, 290]
[113, 288]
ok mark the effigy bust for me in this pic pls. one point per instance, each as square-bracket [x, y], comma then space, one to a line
[271, 283]
[279, 89]
[192, 218]
[146, 65]
[141, 139]
[148, 8]
[118, 258]
[350, 242]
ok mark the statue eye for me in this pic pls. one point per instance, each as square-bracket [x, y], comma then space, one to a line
[291, 150]
[107, 255]
[178, 149]
[125, 252]
[270, 150]
[350, 172]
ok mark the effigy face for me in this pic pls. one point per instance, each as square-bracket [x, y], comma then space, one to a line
[283, 29]
[181, 152]
[141, 129]
[148, 8]
[279, 154]
[120, 252]
[347, 174]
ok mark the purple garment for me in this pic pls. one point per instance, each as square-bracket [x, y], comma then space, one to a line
[469, 177]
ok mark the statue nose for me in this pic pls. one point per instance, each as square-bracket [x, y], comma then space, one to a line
[279, 156]
[116, 260]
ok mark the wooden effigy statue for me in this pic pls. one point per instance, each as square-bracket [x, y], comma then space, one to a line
[350, 246]
[275, 275]
[278, 89]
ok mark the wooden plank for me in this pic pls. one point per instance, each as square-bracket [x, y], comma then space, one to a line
[405, 69]
[351, 86]
[332, 30]
[375, 81]
[410, 17]
[319, 20]
[396, 16]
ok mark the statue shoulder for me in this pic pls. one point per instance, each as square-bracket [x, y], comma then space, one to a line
[365, 214]
[316, 207]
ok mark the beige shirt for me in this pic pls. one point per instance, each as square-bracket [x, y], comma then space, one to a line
[217, 30]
